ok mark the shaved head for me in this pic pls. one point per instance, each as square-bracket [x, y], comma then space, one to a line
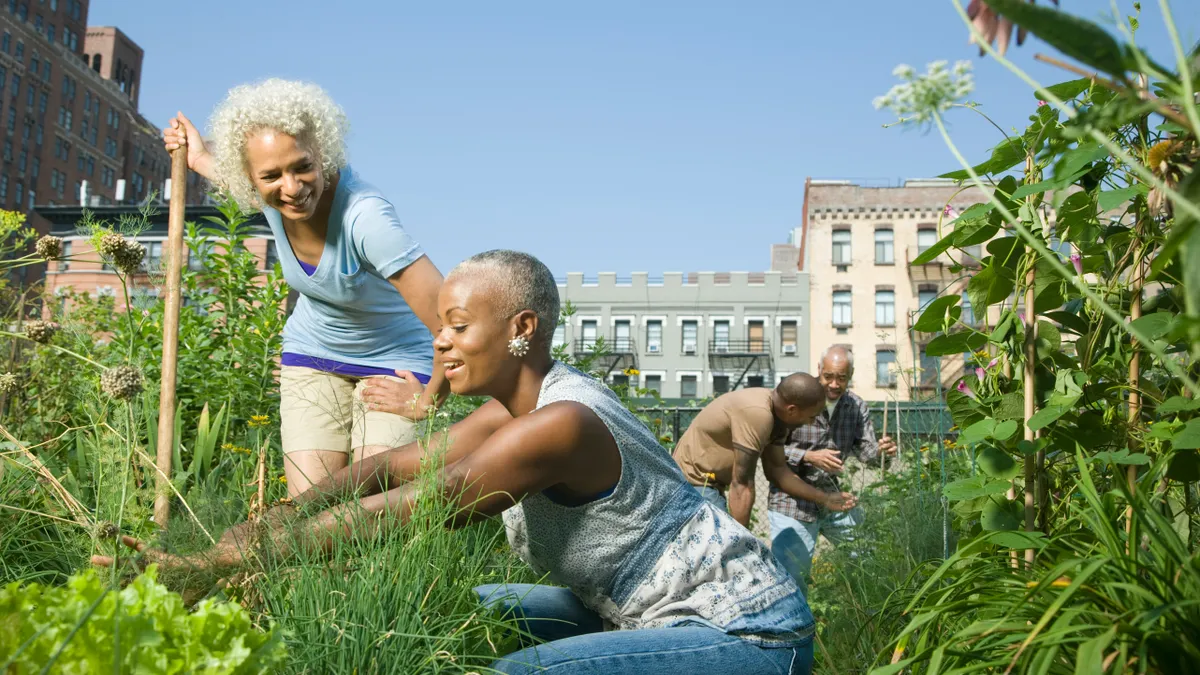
[801, 390]
[517, 281]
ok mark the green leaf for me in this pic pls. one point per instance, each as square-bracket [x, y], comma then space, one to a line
[1075, 160]
[1045, 416]
[1075, 37]
[975, 230]
[1001, 515]
[997, 463]
[955, 343]
[1184, 466]
[1072, 322]
[1089, 659]
[1111, 199]
[992, 284]
[1017, 539]
[978, 431]
[933, 318]
[1187, 438]
[1005, 156]
[1004, 430]
[1049, 339]
[1006, 251]
[976, 486]
[930, 254]
[1178, 404]
[1010, 407]
[1155, 325]
[1121, 456]
[1071, 88]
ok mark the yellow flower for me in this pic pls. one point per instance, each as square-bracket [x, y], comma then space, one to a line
[664, 439]
[630, 372]
[227, 446]
[258, 421]
[283, 479]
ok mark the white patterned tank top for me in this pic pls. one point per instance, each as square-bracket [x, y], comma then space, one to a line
[653, 553]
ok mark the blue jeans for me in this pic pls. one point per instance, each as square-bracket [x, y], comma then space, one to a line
[793, 542]
[713, 496]
[575, 642]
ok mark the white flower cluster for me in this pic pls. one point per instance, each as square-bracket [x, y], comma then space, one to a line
[919, 97]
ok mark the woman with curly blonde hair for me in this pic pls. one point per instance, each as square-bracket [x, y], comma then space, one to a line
[357, 351]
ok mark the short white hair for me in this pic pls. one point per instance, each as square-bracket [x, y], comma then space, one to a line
[521, 282]
[849, 357]
[298, 109]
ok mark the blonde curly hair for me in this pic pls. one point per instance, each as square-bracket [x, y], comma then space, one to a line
[298, 109]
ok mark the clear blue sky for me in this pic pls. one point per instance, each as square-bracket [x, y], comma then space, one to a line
[601, 136]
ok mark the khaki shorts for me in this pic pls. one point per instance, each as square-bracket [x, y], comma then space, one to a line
[324, 411]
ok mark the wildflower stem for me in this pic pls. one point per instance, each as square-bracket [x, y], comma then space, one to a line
[64, 350]
[1052, 260]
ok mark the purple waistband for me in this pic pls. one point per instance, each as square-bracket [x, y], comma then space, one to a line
[339, 368]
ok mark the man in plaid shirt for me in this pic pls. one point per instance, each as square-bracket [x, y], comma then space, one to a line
[815, 452]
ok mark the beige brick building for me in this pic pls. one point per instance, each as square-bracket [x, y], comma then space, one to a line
[856, 243]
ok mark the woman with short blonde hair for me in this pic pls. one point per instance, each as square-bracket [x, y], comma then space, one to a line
[356, 351]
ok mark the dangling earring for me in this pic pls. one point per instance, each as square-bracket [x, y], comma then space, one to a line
[518, 346]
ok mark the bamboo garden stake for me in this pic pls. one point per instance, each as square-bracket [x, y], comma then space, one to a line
[170, 349]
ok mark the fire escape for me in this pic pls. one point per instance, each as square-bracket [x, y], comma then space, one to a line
[743, 357]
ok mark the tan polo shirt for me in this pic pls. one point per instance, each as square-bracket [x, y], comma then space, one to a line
[743, 418]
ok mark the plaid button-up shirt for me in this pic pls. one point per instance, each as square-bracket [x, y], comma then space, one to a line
[848, 430]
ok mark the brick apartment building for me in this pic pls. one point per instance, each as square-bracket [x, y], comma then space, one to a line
[857, 243]
[71, 130]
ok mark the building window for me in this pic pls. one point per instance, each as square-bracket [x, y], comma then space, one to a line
[788, 336]
[153, 259]
[885, 247]
[12, 119]
[588, 331]
[841, 247]
[42, 100]
[885, 372]
[968, 314]
[720, 384]
[622, 342]
[35, 167]
[272, 256]
[3, 190]
[721, 336]
[34, 63]
[841, 308]
[653, 383]
[925, 296]
[925, 240]
[96, 62]
[974, 251]
[20, 52]
[50, 32]
[654, 336]
[885, 308]
[20, 193]
[754, 381]
[560, 335]
[690, 336]
[5, 42]
[754, 331]
[64, 263]
[929, 369]
[687, 386]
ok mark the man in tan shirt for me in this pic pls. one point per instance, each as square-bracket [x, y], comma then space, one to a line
[720, 451]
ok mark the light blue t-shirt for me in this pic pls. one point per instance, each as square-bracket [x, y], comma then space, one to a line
[348, 311]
